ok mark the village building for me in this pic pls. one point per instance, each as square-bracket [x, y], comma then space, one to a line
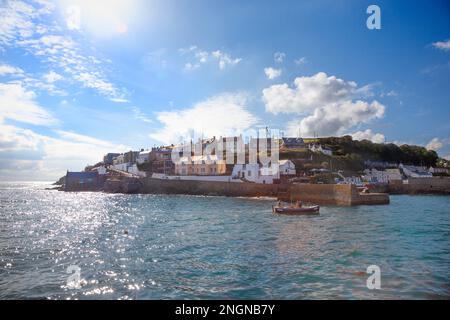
[255, 173]
[119, 163]
[415, 171]
[82, 181]
[100, 169]
[292, 143]
[144, 156]
[125, 160]
[205, 165]
[109, 157]
[287, 167]
[161, 159]
[315, 147]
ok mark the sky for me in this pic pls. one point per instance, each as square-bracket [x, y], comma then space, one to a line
[81, 78]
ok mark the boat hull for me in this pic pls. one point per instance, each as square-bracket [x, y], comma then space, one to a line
[297, 211]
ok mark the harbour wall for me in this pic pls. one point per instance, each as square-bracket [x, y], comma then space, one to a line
[432, 185]
[322, 194]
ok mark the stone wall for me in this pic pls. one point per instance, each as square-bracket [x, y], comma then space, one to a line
[322, 194]
[208, 188]
[434, 185]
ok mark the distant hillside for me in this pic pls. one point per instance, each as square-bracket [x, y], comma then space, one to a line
[388, 152]
[349, 154]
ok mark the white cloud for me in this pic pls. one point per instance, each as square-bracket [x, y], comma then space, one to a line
[225, 59]
[368, 135]
[336, 118]
[300, 61]
[16, 21]
[225, 114]
[139, 115]
[63, 52]
[18, 104]
[435, 144]
[447, 157]
[27, 155]
[202, 57]
[9, 70]
[310, 93]
[272, 73]
[52, 76]
[15, 139]
[26, 25]
[278, 57]
[442, 45]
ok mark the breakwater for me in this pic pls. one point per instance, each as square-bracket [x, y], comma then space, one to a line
[323, 194]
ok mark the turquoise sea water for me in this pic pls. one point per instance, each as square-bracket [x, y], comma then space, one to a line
[164, 247]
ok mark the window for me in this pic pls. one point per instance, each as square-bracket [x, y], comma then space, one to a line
[249, 173]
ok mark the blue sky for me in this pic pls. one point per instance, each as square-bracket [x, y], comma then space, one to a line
[79, 78]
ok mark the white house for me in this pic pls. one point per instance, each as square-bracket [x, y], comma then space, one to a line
[415, 171]
[287, 167]
[255, 173]
[144, 156]
[382, 176]
[318, 148]
[100, 169]
[394, 175]
[133, 169]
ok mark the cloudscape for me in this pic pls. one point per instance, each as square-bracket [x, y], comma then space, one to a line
[78, 80]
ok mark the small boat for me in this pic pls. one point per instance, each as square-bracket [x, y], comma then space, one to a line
[306, 210]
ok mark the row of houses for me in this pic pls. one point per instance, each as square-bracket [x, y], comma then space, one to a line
[216, 167]
[403, 172]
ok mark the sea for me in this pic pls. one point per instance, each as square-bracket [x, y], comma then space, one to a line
[93, 245]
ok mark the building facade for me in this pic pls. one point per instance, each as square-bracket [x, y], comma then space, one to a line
[206, 165]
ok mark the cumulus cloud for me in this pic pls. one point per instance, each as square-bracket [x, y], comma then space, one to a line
[435, 144]
[272, 73]
[336, 118]
[442, 45]
[310, 93]
[330, 105]
[368, 135]
[17, 103]
[225, 114]
[25, 154]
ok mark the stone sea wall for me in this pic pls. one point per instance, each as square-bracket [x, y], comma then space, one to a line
[322, 194]
[434, 185]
